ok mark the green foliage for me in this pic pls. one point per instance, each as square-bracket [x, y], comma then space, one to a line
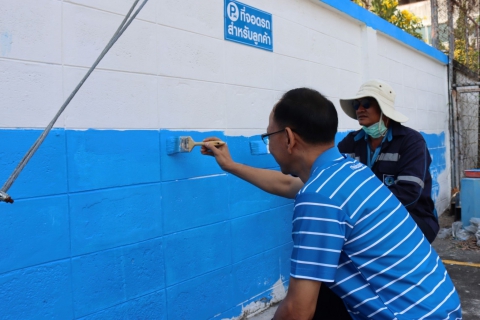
[466, 51]
[388, 10]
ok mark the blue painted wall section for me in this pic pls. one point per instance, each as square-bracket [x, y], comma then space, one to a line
[34, 231]
[107, 225]
[40, 292]
[108, 218]
[46, 173]
[150, 306]
[111, 277]
[128, 158]
[437, 149]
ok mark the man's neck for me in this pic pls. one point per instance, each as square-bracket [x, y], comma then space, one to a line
[375, 142]
[307, 159]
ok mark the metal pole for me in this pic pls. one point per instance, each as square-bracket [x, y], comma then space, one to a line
[466, 36]
[478, 75]
[453, 148]
[457, 105]
[434, 23]
[477, 31]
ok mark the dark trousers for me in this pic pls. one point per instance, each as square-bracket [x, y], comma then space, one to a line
[429, 228]
[330, 306]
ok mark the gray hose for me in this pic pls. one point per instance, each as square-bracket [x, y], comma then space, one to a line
[121, 29]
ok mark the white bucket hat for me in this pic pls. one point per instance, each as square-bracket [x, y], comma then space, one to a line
[384, 95]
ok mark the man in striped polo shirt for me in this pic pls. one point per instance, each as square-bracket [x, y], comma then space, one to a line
[349, 232]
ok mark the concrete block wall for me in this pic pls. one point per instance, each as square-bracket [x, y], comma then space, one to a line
[106, 225]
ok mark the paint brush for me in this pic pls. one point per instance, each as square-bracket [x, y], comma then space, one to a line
[186, 144]
[258, 148]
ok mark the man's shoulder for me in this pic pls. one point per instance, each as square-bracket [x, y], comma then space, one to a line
[351, 135]
[332, 177]
[349, 141]
[401, 130]
[406, 136]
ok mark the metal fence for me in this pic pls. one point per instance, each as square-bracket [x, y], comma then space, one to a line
[465, 105]
[455, 24]
[455, 30]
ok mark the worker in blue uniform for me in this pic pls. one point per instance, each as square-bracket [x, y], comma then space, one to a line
[398, 155]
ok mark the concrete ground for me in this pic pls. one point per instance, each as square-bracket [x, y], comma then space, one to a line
[462, 260]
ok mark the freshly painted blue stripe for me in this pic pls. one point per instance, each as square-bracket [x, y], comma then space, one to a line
[194, 252]
[150, 306]
[108, 278]
[91, 196]
[377, 23]
[245, 198]
[252, 227]
[105, 219]
[33, 232]
[251, 277]
[202, 297]
[112, 158]
[193, 203]
[39, 292]
[187, 164]
[45, 174]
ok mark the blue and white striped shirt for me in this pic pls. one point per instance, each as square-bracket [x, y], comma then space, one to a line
[351, 233]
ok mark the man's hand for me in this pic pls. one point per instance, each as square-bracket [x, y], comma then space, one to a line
[221, 153]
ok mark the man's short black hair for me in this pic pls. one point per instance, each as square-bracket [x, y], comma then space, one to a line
[312, 116]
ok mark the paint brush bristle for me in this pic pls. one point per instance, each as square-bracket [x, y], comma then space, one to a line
[173, 145]
[258, 148]
[185, 144]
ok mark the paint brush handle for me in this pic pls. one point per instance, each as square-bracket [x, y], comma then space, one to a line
[216, 143]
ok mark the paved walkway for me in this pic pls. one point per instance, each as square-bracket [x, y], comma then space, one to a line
[462, 260]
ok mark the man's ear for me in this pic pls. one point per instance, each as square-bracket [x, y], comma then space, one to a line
[291, 139]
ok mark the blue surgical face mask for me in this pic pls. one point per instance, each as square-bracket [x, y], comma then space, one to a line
[376, 130]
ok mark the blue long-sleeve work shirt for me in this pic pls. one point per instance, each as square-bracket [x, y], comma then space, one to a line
[402, 163]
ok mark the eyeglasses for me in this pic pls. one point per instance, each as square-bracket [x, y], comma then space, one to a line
[364, 102]
[266, 135]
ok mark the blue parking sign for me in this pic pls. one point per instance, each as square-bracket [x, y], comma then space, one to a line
[248, 25]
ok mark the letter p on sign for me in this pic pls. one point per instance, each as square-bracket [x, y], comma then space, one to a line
[232, 11]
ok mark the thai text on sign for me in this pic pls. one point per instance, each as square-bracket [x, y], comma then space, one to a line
[248, 25]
